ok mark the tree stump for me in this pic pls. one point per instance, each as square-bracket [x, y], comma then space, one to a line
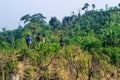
[13, 76]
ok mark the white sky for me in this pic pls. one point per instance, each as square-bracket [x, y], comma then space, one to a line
[12, 10]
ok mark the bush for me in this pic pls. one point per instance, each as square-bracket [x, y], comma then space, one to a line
[90, 42]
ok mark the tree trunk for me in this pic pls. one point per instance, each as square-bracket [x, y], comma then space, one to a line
[17, 76]
[77, 72]
[89, 70]
[89, 75]
[3, 75]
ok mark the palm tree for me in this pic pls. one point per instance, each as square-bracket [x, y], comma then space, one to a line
[119, 5]
[85, 7]
[106, 6]
[93, 6]
[73, 13]
[4, 29]
[5, 32]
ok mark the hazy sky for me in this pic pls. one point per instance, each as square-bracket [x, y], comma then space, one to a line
[12, 10]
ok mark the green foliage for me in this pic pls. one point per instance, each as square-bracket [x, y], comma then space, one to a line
[95, 31]
[11, 65]
[51, 48]
[25, 53]
[55, 23]
[19, 44]
[28, 74]
[90, 42]
[37, 18]
[113, 53]
[5, 45]
[25, 18]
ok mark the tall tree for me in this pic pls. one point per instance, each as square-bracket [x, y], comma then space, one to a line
[38, 18]
[85, 7]
[5, 32]
[119, 5]
[26, 18]
[93, 6]
[55, 23]
[106, 6]
[65, 22]
[4, 29]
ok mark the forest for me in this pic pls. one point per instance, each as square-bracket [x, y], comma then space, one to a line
[91, 48]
